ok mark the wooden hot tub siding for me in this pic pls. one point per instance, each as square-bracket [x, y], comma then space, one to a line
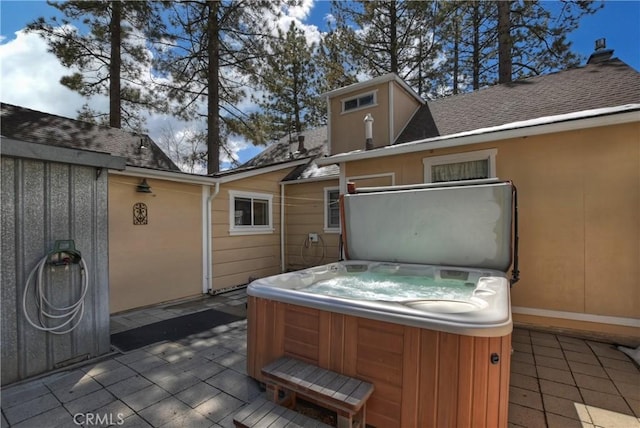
[422, 378]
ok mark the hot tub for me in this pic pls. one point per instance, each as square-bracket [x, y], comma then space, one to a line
[456, 300]
[433, 338]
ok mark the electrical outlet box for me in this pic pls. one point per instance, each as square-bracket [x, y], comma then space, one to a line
[313, 237]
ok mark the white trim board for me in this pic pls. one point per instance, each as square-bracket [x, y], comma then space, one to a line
[250, 229]
[379, 175]
[546, 125]
[577, 316]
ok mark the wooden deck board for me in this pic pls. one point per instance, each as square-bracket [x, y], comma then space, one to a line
[330, 388]
[258, 413]
[248, 410]
[346, 389]
[262, 413]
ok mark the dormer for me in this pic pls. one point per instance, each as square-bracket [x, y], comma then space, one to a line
[388, 99]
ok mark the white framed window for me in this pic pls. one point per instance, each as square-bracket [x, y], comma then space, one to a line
[332, 210]
[460, 166]
[250, 213]
[359, 101]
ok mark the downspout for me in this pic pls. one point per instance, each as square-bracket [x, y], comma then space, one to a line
[342, 179]
[391, 114]
[282, 264]
[209, 235]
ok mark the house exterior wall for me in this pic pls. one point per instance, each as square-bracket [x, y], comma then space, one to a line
[347, 129]
[159, 261]
[238, 259]
[404, 107]
[579, 205]
[305, 213]
[393, 106]
[43, 202]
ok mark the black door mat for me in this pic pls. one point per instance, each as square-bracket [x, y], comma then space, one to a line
[171, 329]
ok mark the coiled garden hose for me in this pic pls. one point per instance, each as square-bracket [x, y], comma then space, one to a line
[307, 244]
[45, 307]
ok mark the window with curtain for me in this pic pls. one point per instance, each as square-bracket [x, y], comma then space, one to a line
[460, 166]
[469, 170]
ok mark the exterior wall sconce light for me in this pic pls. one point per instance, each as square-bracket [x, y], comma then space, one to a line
[143, 187]
[368, 131]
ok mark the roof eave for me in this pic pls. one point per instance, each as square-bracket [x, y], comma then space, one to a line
[206, 180]
[176, 176]
[372, 82]
[233, 176]
[568, 122]
[312, 179]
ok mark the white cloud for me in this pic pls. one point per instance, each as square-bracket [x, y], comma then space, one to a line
[330, 19]
[300, 11]
[38, 87]
[297, 15]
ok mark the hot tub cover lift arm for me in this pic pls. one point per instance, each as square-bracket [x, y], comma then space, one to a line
[515, 272]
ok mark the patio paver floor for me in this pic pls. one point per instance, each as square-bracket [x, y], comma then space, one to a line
[200, 381]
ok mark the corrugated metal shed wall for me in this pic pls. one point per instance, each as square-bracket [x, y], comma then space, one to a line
[43, 202]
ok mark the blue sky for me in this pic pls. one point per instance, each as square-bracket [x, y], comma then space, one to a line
[618, 22]
[38, 88]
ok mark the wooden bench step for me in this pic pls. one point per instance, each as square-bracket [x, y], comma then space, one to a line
[262, 413]
[345, 395]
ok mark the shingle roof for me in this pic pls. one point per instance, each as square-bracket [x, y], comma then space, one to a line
[607, 84]
[37, 127]
[315, 143]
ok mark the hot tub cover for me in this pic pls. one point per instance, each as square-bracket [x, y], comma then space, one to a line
[456, 225]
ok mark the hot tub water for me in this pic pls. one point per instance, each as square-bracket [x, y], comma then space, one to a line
[392, 287]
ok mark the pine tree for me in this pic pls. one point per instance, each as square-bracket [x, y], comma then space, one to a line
[389, 37]
[334, 64]
[537, 37]
[287, 76]
[209, 64]
[487, 42]
[111, 58]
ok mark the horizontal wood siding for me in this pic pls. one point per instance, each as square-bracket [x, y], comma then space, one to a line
[304, 214]
[239, 259]
[422, 377]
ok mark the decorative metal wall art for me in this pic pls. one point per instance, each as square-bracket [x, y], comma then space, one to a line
[140, 214]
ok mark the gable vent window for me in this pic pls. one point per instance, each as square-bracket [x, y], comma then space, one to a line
[361, 101]
[462, 166]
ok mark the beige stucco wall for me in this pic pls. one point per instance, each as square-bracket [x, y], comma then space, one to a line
[579, 203]
[162, 260]
[404, 107]
[241, 258]
[304, 214]
[347, 129]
